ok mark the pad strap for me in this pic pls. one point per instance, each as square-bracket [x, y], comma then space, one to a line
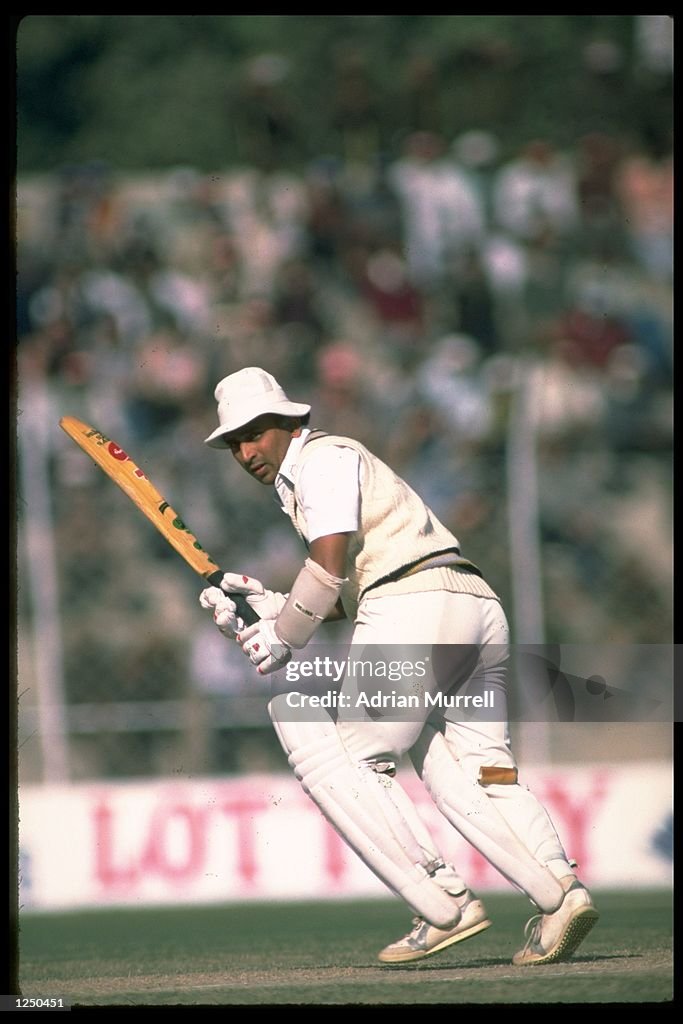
[495, 775]
[314, 594]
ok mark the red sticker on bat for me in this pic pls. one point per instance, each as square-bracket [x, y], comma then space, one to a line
[116, 452]
[245, 579]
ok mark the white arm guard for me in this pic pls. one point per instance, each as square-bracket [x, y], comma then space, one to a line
[312, 597]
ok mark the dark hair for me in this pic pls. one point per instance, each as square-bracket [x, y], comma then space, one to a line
[301, 421]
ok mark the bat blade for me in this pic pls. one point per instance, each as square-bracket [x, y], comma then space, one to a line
[119, 466]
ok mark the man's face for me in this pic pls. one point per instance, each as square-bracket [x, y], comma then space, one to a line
[261, 445]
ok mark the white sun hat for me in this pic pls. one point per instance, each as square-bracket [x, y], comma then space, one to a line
[245, 395]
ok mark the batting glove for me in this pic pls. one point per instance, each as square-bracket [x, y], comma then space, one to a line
[224, 611]
[263, 647]
[266, 603]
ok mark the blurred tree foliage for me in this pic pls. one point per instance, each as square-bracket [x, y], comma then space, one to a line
[153, 91]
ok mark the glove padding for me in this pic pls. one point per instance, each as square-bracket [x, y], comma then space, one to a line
[263, 646]
[266, 603]
[224, 611]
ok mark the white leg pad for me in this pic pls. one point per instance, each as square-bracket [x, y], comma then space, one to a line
[527, 817]
[358, 807]
[445, 875]
[468, 808]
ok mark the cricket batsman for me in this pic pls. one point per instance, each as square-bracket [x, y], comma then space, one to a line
[378, 556]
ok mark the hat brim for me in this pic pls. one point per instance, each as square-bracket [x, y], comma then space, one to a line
[218, 438]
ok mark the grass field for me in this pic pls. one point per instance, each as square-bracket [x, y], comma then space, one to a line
[325, 953]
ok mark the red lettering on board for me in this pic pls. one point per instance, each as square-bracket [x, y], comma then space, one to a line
[106, 871]
[244, 809]
[157, 857]
[578, 811]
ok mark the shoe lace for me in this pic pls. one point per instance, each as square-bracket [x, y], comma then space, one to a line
[532, 930]
[418, 923]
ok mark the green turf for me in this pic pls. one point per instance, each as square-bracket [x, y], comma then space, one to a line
[325, 953]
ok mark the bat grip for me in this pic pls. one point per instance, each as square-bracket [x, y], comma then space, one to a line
[244, 610]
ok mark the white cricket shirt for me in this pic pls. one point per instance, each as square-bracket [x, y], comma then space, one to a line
[329, 487]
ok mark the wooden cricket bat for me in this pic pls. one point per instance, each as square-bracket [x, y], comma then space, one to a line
[117, 464]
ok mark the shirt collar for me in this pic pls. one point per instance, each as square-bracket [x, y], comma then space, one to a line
[284, 481]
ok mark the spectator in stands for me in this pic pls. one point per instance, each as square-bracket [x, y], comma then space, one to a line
[442, 213]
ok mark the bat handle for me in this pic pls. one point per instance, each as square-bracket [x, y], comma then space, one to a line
[244, 610]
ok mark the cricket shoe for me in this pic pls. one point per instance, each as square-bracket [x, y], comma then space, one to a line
[425, 940]
[551, 938]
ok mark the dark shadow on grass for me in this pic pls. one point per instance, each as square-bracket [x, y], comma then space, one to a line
[446, 965]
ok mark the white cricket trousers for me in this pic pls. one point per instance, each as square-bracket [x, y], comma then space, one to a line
[472, 634]
[470, 638]
[341, 763]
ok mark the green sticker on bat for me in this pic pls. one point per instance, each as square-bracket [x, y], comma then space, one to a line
[180, 525]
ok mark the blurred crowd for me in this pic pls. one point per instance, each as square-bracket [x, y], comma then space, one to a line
[408, 296]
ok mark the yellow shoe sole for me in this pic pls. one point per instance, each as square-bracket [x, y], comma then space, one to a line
[410, 955]
[576, 931]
